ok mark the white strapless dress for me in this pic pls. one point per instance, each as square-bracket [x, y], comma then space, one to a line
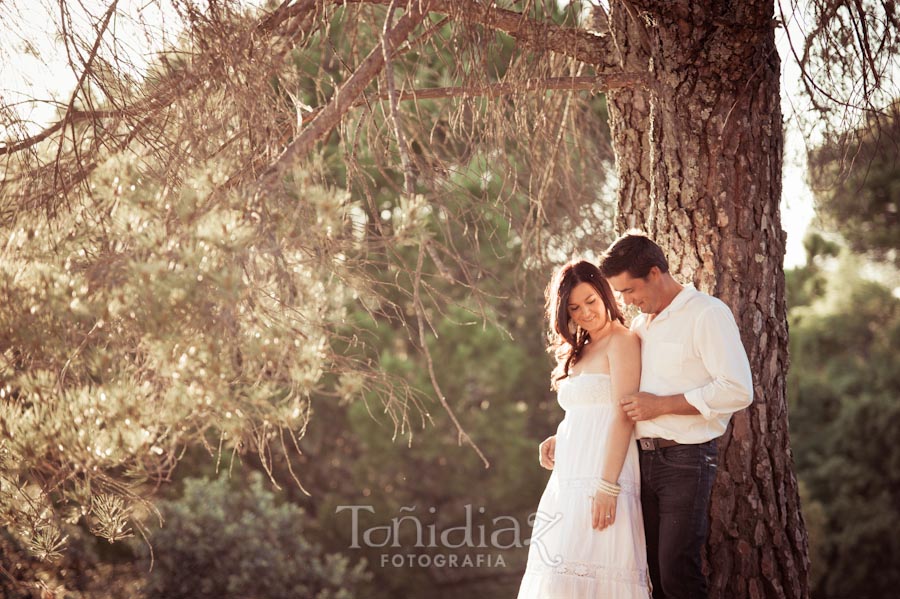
[567, 559]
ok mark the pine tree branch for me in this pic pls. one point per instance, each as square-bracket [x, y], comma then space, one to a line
[394, 97]
[345, 97]
[570, 41]
[602, 83]
[421, 319]
[531, 33]
[181, 82]
[72, 116]
[536, 35]
[79, 86]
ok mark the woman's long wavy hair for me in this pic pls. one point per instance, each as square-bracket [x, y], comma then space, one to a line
[566, 340]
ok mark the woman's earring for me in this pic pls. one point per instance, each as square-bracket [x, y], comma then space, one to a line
[573, 328]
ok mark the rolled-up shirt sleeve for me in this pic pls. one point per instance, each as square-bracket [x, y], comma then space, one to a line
[718, 341]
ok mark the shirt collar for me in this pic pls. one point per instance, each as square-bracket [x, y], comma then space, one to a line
[683, 297]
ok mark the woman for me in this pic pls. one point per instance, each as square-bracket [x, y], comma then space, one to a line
[588, 537]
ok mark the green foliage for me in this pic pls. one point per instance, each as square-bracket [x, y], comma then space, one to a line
[481, 371]
[78, 573]
[141, 322]
[845, 419]
[815, 518]
[806, 283]
[224, 540]
[495, 373]
[490, 209]
[858, 181]
[487, 348]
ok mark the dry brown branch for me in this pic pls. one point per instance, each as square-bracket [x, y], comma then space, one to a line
[534, 35]
[598, 84]
[593, 84]
[343, 99]
[421, 318]
[847, 59]
[393, 97]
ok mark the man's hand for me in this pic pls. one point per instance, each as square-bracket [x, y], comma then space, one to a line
[642, 406]
[548, 452]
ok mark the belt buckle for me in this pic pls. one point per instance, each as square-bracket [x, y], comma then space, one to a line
[648, 444]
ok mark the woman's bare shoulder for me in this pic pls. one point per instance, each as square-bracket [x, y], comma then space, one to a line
[624, 334]
[624, 339]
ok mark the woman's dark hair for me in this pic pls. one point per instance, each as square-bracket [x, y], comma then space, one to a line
[635, 253]
[568, 343]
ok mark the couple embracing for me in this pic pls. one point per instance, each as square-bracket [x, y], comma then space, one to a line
[634, 458]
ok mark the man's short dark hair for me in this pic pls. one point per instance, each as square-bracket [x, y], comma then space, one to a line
[635, 253]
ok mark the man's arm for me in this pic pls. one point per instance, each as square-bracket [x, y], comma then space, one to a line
[646, 406]
[718, 341]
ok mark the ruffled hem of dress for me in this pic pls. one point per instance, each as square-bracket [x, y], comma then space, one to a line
[572, 580]
[593, 571]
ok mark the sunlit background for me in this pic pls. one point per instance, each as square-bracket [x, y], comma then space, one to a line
[842, 388]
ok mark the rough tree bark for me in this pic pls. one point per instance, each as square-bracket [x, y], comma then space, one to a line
[629, 120]
[709, 148]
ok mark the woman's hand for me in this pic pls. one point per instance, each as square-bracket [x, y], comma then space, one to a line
[548, 452]
[603, 510]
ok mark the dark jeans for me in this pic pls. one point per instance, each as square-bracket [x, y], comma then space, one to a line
[675, 488]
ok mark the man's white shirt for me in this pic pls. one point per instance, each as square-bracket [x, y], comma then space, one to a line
[693, 347]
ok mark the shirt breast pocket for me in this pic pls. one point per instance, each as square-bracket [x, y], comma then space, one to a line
[668, 359]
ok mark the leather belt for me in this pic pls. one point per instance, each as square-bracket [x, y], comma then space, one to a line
[653, 443]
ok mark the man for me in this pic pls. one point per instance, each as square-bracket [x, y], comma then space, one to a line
[694, 375]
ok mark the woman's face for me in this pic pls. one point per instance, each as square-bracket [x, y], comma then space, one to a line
[586, 308]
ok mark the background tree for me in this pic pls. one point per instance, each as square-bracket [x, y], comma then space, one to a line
[842, 386]
[842, 390]
[230, 540]
[847, 57]
[858, 188]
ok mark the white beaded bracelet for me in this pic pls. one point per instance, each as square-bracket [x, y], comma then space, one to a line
[608, 488]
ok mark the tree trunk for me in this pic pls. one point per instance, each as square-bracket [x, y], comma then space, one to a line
[714, 141]
[629, 122]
